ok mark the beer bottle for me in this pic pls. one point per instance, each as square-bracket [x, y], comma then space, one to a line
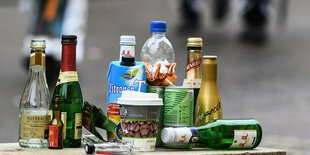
[56, 126]
[218, 134]
[208, 106]
[193, 67]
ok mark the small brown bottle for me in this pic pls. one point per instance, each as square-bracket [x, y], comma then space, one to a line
[56, 126]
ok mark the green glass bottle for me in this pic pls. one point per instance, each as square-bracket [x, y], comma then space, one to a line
[68, 88]
[218, 134]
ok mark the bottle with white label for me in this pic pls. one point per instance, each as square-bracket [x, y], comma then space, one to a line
[35, 100]
[218, 134]
[127, 43]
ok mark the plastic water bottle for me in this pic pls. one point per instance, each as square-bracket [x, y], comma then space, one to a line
[157, 47]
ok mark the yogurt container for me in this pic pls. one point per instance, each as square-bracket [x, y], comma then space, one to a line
[139, 119]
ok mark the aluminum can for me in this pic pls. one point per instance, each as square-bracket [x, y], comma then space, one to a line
[160, 90]
[178, 110]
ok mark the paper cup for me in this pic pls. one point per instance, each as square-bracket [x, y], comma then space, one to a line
[139, 119]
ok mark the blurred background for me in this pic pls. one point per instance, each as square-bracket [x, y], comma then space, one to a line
[262, 47]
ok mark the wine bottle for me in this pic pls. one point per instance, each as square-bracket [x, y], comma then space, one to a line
[34, 104]
[218, 134]
[68, 88]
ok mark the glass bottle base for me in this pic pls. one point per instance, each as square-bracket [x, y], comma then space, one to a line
[33, 143]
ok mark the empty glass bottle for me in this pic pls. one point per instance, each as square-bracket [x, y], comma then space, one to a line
[35, 100]
[218, 134]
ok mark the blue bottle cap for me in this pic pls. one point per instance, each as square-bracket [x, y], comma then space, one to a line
[158, 26]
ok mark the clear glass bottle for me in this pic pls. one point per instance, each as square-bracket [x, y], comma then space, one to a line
[157, 47]
[218, 134]
[35, 100]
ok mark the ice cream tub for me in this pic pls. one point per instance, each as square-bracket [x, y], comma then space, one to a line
[139, 119]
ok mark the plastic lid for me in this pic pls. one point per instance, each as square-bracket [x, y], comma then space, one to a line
[128, 60]
[167, 135]
[194, 42]
[210, 57]
[37, 43]
[89, 148]
[68, 39]
[158, 26]
[140, 99]
[127, 40]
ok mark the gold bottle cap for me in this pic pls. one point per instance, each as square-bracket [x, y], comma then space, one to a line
[194, 42]
[38, 44]
[210, 57]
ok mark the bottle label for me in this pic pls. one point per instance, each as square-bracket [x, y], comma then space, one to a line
[50, 113]
[34, 126]
[65, 77]
[114, 114]
[127, 50]
[192, 83]
[64, 121]
[244, 139]
[186, 135]
[78, 126]
[53, 135]
[193, 64]
[37, 58]
[195, 135]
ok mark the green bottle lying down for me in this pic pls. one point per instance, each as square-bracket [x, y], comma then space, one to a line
[218, 134]
[95, 117]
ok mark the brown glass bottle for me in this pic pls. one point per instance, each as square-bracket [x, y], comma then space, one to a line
[56, 126]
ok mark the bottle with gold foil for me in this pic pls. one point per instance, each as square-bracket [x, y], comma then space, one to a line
[68, 87]
[35, 100]
[208, 106]
[193, 68]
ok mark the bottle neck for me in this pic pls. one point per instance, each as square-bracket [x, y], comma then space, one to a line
[209, 70]
[68, 58]
[159, 34]
[37, 57]
[56, 110]
[128, 50]
[193, 67]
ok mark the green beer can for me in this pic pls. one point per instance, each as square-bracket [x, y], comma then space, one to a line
[178, 110]
[160, 90]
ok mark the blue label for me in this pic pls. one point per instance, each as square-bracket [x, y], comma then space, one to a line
[125, 78]
[119, 131]
[195, 135]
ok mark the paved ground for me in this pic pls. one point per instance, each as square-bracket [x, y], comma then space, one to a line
[269, 83]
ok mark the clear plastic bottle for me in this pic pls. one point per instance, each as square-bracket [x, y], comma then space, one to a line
[157, 47]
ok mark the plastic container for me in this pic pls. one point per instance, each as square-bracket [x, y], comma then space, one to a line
[139, 119]
[157, 47]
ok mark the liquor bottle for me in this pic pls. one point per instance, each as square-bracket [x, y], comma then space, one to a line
[127, 43]
[193, 67]
[34, 104]
[218, 134]
[56, 126]
[208, 106]
[68, 88]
